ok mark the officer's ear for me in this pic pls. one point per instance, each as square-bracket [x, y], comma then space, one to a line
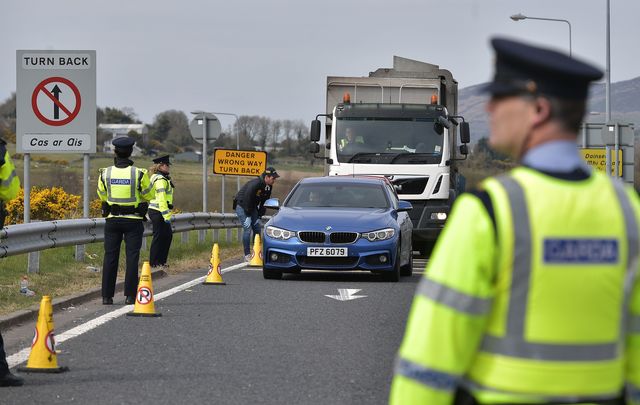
[542, 112]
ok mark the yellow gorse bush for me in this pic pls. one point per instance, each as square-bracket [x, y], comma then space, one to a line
[47, 204]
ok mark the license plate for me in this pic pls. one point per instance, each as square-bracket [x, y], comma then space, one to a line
[327, 252]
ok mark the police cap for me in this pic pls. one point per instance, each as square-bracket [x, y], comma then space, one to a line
[123, 142]
[522, 68]
[162, 159]
[270, 171]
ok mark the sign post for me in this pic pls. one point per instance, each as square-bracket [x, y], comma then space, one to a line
[204, 127]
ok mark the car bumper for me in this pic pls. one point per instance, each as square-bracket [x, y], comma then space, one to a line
[291, 255]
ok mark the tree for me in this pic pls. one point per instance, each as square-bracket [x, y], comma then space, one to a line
[170, 131]
[112, 115]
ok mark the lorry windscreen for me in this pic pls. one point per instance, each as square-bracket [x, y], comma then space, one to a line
[388, 140]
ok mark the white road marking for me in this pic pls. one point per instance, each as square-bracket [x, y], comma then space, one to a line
[23, 355]
[346, 294]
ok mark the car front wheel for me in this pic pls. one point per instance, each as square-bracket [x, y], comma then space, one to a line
[394, 275]
[271, 274]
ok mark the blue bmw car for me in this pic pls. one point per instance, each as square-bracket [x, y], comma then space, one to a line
[339, 223]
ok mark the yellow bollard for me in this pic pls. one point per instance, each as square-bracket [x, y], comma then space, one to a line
[214, 276]
[144, 305]
[256, 255]
[43, 357]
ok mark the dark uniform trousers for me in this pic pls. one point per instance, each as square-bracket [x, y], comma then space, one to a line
[115, 230]
[4, 367]
[161, 242]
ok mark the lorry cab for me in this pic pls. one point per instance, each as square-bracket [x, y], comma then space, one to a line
[400, 125]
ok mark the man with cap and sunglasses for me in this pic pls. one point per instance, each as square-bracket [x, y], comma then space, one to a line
[249, 205]
[531, 295]
[160, 211]
[125, 192]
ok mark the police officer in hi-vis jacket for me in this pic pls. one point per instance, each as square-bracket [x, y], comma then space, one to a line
[531, 295]
[125, 191]
[160, 211]
[9, 188]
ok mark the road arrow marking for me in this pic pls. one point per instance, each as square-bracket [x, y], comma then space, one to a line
[346, 294]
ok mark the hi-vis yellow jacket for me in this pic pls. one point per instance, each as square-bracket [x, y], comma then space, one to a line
[9, 181]
[125, 187]
[163, 201]
[539, 304]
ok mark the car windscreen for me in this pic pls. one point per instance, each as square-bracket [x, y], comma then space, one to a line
[338, 195]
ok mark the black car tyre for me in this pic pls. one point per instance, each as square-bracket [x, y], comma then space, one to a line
[394, 275]
[407, 269]
[271, 274]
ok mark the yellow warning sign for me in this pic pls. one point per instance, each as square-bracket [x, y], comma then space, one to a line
[239, 162]
[597, 158]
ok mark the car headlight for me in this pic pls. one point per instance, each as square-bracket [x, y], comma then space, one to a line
[278, 233]
[441, 216]
[380, 234]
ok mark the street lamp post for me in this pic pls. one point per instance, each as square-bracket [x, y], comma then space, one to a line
[520, 16]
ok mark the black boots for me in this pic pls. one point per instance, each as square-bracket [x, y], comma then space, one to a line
[10, 380]
[107, 301]
[130, 301]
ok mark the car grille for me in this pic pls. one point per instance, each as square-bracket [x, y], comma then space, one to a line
[327, 261]
[343, 237]
[311, 237]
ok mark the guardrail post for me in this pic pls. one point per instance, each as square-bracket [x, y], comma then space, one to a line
[33, 262]
[229, 237]
[216, 235]
[185, 237]
[80, 251]
[201, 235]
[144, 243]
[238, 235]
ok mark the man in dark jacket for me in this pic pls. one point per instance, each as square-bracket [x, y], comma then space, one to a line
[249, 205]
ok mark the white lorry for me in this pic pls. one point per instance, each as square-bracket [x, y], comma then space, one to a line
[400, 123]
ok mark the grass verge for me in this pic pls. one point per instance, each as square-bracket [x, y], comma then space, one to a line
[60, 274]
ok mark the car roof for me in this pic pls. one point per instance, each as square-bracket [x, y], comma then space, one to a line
[346, 179]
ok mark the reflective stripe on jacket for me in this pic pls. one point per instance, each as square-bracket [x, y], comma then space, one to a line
[163, 195]
[124, 186]
[9, 181]
[545, 309]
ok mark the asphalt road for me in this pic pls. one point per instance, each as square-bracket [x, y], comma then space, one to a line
[250, 341]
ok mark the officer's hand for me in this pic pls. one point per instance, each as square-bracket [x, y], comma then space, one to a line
[247, 222]
[167, 221]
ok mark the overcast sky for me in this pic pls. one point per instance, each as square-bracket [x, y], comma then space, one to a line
[271, 57]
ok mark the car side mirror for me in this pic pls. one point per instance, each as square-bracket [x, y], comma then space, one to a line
[404, 206]
[464, 150]
[315, 131]
[272, 203]
[314, 148]
[465, 136]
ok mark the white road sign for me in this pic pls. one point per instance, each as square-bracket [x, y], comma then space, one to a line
[56, 101]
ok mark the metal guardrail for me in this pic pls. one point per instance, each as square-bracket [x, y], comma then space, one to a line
[37, 236]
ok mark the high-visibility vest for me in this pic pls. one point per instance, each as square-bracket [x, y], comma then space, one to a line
[164, 195]
[9, 181]
[540, 305]
[125, 187]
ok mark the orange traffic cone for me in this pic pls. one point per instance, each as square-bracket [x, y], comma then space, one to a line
[144, 297]
[214, 276]
[256, 255]
[42, 358]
